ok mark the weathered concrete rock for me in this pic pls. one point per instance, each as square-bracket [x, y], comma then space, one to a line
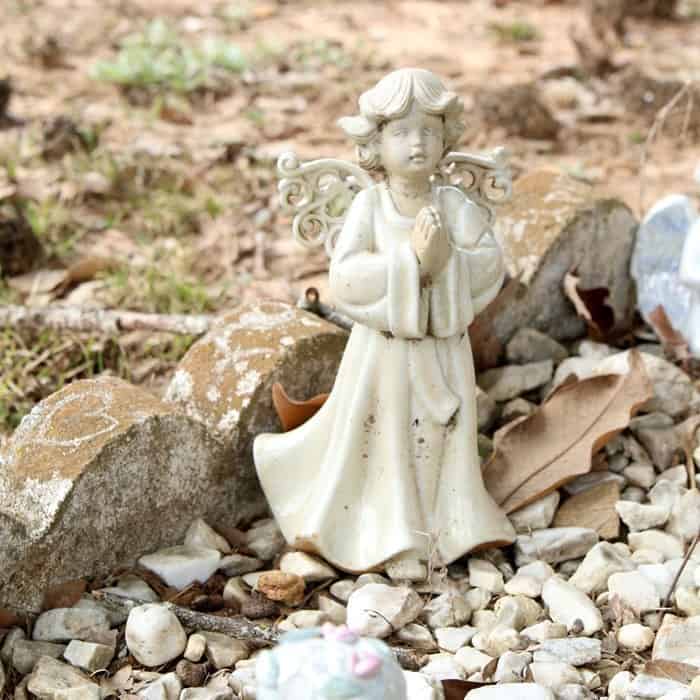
[26, 654]
[377, 610]
[64, 624]
[635, 637]
[88, 656]
[154, 635]
[554, 545]
[504, 383]
[678, 639]
[553, 224]
[13, 636]
[50, 677]
[568, 605]
[536, 516]
[104, 456]
[224, 651]
[529, 345]
[181, 565]
[225, 379]
[598, 565]
[576, 651]
[635, 591]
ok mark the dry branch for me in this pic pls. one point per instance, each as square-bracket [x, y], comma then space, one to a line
[242, 628]
[75, 318]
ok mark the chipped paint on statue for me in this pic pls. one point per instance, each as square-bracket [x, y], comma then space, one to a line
[388, 469]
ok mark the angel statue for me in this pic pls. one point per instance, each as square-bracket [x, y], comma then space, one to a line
[387, 474]
[666, 265]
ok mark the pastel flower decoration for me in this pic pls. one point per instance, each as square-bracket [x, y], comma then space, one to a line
[341, 633]
[365, 664]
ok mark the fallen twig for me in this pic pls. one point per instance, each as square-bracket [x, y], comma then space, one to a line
[241, 627]
[76, 318]
[686, 559]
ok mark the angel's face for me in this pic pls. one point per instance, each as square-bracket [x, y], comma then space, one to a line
[412, 145]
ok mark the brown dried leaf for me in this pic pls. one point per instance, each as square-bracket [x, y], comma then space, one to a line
[590, 306]
[64, 595]
[594, 509]
[293, 413]
[38, 282]
[9, 619]
[457, 690]
[675, 345]
[674, 670]
[164, 591]
[556, 443]
[119, 683]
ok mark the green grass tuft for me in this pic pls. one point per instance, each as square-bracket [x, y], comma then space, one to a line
[517, 31]
[158, 59]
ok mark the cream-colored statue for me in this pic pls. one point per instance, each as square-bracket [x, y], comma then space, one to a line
[388, 469]
[689, 273]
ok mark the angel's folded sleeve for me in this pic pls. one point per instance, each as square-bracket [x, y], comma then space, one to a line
[377, 289]
[473, 275]
[690, 259]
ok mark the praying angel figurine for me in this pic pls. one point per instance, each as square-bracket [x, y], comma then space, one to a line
[387, 471]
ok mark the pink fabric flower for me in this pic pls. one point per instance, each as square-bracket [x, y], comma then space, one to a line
[341, 633]
[365, 664]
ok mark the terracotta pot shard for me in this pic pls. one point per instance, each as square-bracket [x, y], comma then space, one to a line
[293, 413]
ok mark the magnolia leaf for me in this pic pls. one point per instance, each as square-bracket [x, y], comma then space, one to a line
[556, 443]
[590, 306]
[673, 670]
[593, 509]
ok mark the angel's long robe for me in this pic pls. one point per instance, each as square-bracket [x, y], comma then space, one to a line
[389, 464]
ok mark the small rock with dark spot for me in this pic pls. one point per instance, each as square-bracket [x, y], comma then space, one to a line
[191, 675]
[258, 606]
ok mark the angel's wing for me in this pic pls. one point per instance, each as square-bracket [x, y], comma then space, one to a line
[319, 194]
[485, 179]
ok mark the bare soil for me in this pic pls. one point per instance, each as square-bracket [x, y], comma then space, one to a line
[178, 191]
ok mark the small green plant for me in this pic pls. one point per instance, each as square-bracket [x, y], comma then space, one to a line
[158, 59]
[34, 364]
[160, 289]
[7, 294]
[316, 53]
[53, 224]
[516, 31]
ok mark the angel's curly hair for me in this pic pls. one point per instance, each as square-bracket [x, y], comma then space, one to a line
[391, 98]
